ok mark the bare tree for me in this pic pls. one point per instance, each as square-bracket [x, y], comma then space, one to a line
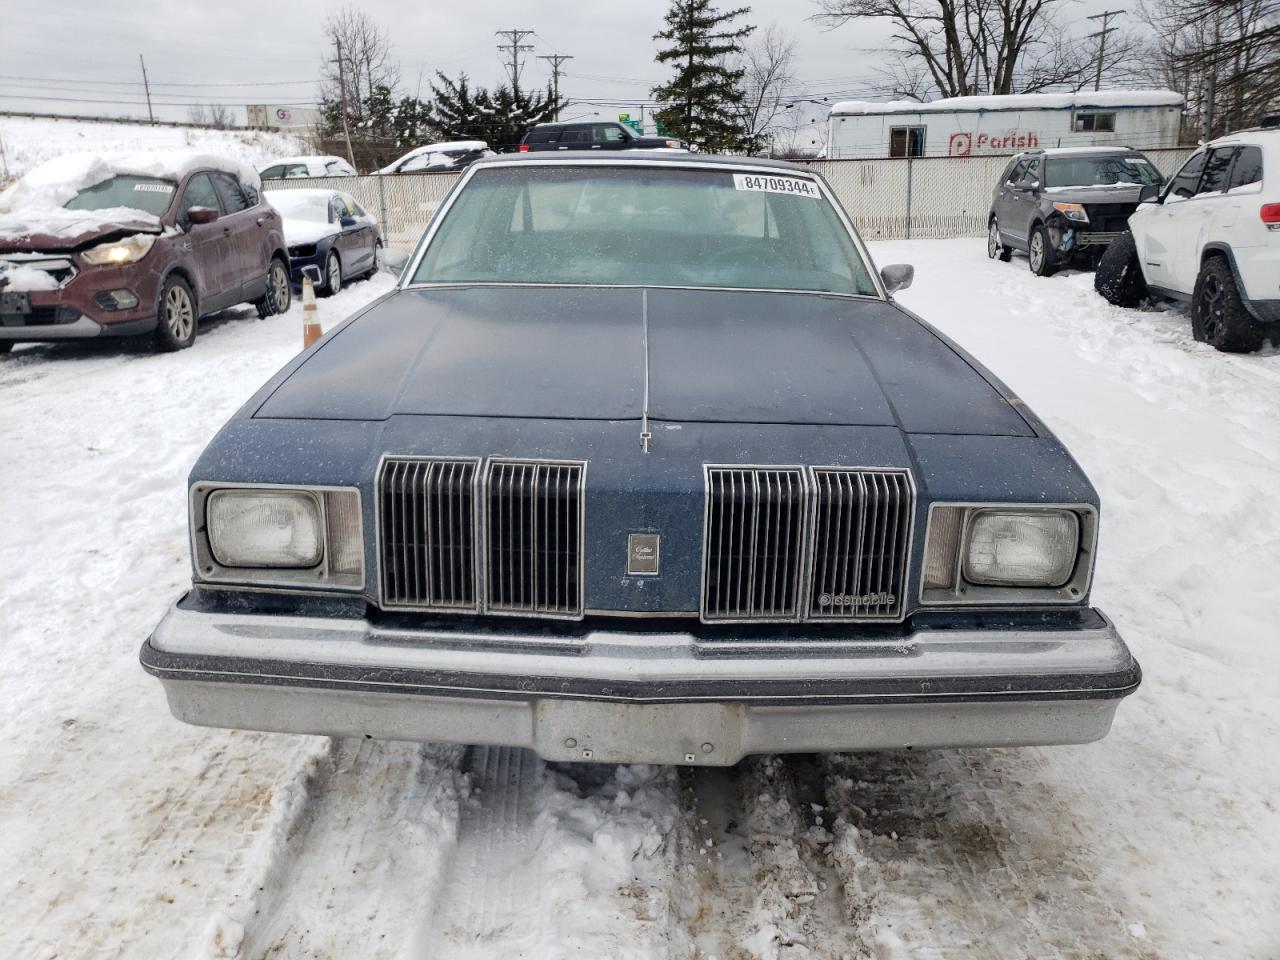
[368, 62]
[1222, 55]
[220, 116]
[768, 83]
[959, 48]
[198, 115]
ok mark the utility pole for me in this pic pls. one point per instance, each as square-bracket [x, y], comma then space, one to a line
[556, 59]
[1105, 17]
[342, 85]
[515, 48]
[147, 87]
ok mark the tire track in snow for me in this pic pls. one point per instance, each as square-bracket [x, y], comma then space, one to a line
[763, 885]
[349, 875]
[951, 854]
[557, 860]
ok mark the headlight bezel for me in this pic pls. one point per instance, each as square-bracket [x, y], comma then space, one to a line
[342, 559]
[941, 557]
[1074, 212]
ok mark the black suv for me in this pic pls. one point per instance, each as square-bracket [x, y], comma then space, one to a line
[599, 135]
[1065, 205]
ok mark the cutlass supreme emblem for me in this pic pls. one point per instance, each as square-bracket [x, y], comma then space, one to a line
[643, 554]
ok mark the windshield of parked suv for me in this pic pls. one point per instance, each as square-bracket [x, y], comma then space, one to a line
[1100, 171]
[136, 193]
[643, 225]
[296, 205]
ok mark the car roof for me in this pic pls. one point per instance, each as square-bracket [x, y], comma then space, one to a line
[313, 192]
[575, 123]
[305, 159]
[1052, 152]
[644, 157]
[1250, 135]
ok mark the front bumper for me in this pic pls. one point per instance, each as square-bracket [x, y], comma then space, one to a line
[644, 696]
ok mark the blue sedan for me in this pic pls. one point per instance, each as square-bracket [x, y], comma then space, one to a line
[330, 237]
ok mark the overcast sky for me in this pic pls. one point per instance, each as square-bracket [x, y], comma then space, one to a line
[61, 56]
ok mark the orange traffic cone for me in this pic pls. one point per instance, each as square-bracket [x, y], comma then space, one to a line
[310, 321]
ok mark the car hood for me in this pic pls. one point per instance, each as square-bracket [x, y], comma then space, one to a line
[67, 230]
[300, 232]
[575, 353]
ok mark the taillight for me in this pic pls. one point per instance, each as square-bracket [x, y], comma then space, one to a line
[1271, 215]
[524, 148]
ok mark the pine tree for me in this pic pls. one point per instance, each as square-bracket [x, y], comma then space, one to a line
[500, 117]
[704, 98]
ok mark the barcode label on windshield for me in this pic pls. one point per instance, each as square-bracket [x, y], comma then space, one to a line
[792, 185]
[153, 188]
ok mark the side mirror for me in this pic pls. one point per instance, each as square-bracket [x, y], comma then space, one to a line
[1150, 193]
[346, 221]
[201, 215]
[897, 276]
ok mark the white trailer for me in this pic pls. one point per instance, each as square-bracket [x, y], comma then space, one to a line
[987, 126]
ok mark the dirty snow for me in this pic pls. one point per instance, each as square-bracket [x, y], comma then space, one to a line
[126, 834]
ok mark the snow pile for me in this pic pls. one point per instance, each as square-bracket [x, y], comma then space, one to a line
[19, 278]
[305, 214]
[1015, 101]
[29, 142]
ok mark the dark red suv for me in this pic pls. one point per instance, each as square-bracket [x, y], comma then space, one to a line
[138, 253]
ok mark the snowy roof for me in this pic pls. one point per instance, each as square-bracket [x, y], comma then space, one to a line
[315, 158]
[1016, 101]
[447, 145]
[56, 181]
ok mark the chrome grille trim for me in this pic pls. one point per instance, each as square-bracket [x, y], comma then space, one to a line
[534, 538]
[426, 528]
[752, 542]
[863, 522]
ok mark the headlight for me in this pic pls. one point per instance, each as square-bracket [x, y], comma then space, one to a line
[288, 536]
[1022, 549]
[254, 528]
[997, 554]
[128, 250]
[1072, 211]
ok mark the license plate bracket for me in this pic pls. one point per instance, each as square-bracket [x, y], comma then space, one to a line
[609, 732]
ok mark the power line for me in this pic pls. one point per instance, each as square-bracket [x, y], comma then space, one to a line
[94, 81]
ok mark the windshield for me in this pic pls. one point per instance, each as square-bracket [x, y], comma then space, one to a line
[295, 205]
[137, 193]
[1100, 171]
[644, 226]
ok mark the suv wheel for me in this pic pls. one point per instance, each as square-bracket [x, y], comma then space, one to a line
[279, 295]
[176, 317]
[1218, 315]
[1119, 277]
[332, 274]
[995, 249]
[1040, 252]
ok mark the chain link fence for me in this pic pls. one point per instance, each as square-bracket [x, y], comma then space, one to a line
[924, 197]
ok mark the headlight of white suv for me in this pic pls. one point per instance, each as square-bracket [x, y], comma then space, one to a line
[274, 535]
[128, 250]
[980, 553]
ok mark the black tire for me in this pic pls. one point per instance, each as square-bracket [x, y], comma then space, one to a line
[177, 317]
[332, 274]
[5, 346]
[1218, 315]
[377, 260]
[1118, 278]
[996, 250]
[1040, 256]
[279, 295]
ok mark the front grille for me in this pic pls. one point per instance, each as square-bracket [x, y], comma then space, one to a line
[1095, 238]
[533, 532]
[862, 523]
[426, 528]
[754, 530]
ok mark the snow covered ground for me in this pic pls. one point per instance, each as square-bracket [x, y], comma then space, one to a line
[125, 834]
[26, 142]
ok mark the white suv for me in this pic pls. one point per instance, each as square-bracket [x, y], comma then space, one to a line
[1211, 237]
